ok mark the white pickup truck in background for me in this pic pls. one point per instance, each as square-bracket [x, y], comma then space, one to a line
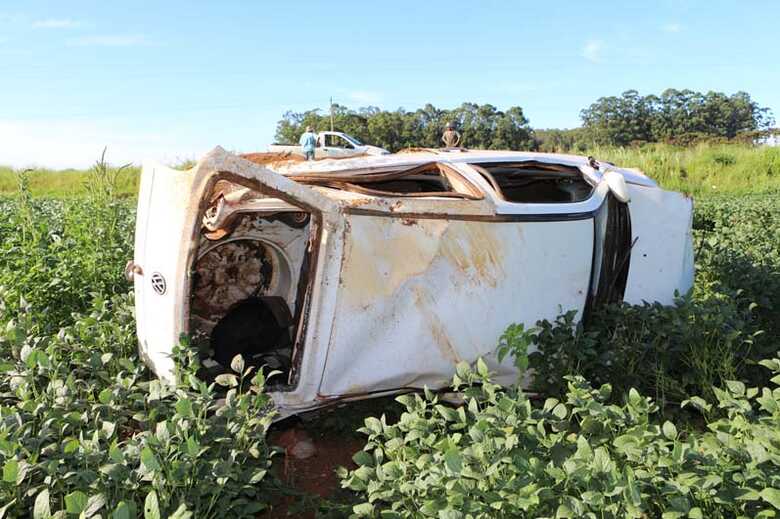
[332, 145]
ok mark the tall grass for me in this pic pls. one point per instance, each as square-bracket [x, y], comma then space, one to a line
[704, 169]
[67, 183]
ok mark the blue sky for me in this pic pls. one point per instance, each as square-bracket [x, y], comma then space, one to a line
[170, 80]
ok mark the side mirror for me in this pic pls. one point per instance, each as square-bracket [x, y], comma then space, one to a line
[617, 185]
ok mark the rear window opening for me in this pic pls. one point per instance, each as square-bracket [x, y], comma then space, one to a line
[249, 283]
[535, 182]
[427, 180]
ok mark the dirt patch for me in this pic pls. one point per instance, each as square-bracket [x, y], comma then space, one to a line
[306, 471]
[309, 485]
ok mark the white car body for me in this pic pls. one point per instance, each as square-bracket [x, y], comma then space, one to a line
[336, 145]
[387, 292]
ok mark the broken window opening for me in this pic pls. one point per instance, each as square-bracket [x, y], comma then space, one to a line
[337, 141]
[535, 182]
[250, 280]
[428, 180]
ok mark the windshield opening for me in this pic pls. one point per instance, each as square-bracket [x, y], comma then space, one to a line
[428, 180]
[353, 140]
[532, 182]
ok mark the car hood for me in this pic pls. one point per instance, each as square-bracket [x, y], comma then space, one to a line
[375, 150]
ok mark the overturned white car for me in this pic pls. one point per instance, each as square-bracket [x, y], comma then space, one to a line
[364, 276]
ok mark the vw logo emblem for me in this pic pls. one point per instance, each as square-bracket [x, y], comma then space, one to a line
[158, 283]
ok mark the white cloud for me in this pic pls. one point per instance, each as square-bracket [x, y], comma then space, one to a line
[592, 50]
[55, 23]
[110, 40]
[66, 143]
[364, 97]
[672, 27]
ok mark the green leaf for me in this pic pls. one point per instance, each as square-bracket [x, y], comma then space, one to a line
[447, 413]
[771, 496]
[631, 492]
[453, 460]
[149, 460]
[560, 411]
[462, 369]
[122, 511]
[104, 397]
[184, 407]
[71, 446]
[482, 368]
[736, 387]
[226, 380]
[634, 398]
[773, 364]
[237, 364]
[363, 510]
[76, 502]
[363, 458]
[258, 476]
[670, 431]
[41, 508]
[115, 453]
[10, 471]
[193, 447]
[151, 506]
[373, 425]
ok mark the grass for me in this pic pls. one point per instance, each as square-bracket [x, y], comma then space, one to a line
[701, 170]
[66, 183]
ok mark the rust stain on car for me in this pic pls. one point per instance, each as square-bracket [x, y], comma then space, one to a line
[407, 254]
[475, 250]
[425, 302]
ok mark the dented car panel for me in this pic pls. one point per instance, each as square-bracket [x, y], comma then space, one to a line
[417, 297]
[373, 275]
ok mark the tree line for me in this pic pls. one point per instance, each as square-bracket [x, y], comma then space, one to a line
[674, 116]
[481, 126]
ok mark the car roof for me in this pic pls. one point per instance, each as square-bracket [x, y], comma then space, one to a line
[422, 156]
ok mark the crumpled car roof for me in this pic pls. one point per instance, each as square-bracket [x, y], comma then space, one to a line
[421, 156]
